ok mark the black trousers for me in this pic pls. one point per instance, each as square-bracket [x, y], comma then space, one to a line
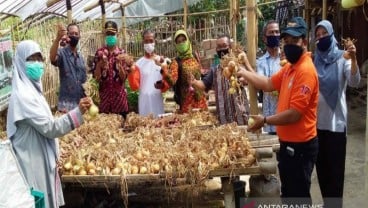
[330, 166]
[296, 162]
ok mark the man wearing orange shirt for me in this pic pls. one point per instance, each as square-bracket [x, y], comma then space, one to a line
[296, 115]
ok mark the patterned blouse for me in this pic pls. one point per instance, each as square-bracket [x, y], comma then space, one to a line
[191, 98]
[113, 95]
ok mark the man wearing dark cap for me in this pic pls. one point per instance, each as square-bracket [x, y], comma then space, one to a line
[296, 115]
[110, 70]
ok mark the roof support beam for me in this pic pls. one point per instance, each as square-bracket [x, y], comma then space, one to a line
[124, 5]
[49, 3]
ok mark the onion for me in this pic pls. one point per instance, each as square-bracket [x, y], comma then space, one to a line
[155, 168]
[116, 171]
[143, 170]
[82, 172]
[91, 172]
[250, 122]
[90, 166]
[93, 111]
[134, 169]
[68, 166]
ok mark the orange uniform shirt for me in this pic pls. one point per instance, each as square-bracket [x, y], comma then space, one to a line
[298, 87]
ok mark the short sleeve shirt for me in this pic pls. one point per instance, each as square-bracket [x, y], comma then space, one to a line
[298, 87]
[72, 74]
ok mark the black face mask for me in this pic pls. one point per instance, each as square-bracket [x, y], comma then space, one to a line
[273, 41]
[222, 52]
[293, 52]
[73, 41]
[324, 43]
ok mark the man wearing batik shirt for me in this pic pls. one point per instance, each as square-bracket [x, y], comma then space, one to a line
[111, 74]
[229, 107]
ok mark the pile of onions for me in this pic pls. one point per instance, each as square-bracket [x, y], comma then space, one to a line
[102, 147]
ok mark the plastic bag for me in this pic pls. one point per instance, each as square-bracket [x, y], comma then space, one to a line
[15, 191]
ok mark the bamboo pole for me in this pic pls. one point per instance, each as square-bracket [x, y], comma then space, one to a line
[308, 20]
[124, 27]
[185, 18]
[69, 11]
[231, 14]
[252, 31]
[103, 14]
[49, 3]
[324, 9]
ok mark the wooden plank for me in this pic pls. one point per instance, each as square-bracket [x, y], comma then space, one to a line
[226, 172]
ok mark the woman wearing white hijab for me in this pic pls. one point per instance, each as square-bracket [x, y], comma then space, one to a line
[334, 74]
[31, 127]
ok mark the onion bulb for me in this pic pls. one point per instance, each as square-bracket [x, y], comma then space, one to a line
[68, 166]
[116, 171]
[93, 110]
[143, 170]
[250, 122]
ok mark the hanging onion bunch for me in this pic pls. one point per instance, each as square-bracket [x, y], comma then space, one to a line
[347, 43]
[91, 88]
[230, 64]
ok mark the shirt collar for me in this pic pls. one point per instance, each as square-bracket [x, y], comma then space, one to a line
[301, 60]
[70, 52]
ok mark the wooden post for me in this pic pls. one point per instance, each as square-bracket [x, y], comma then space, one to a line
[252, 32]
[69, 11]
[185, 18]
[123, 25]
[324, 9]
[228, 189]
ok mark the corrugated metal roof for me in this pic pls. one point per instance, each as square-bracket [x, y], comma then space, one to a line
[27, 8]
[31, 8]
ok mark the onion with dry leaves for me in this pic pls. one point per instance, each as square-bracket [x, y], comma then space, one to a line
[102, 147]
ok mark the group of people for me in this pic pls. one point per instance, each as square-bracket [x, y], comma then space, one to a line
[311, 113]
[308, 112]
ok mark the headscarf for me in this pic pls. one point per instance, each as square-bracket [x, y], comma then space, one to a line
[188, 53]
[326, 64]
[26, 100]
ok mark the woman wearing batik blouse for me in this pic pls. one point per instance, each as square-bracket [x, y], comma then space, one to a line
[190, 98]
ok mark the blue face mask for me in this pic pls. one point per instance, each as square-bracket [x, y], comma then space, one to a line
[34, 70]
[324, 43]
[273, 41]
[111, 40]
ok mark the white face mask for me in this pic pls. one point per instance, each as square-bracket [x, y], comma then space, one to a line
[149, 47]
